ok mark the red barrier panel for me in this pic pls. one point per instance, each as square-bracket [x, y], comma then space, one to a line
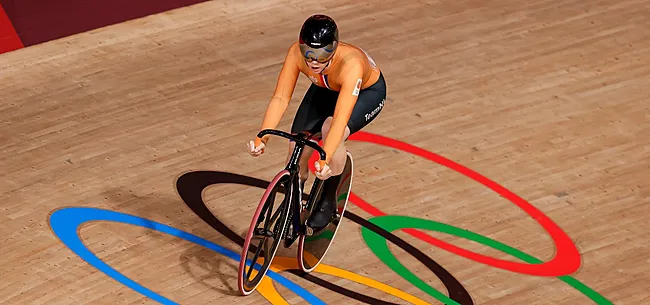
[38, 21]
[9, 40]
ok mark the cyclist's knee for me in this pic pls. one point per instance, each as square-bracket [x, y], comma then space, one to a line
[326, 128]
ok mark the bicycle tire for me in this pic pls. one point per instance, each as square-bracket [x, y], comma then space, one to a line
[245, 285]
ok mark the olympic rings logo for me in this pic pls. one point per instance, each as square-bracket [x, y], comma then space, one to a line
[375, 231]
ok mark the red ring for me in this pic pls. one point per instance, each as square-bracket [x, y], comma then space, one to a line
[567, 257]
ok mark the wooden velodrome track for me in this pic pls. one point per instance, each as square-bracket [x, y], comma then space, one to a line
[548, 100]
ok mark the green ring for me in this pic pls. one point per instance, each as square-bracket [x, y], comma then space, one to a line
[391, 223]
[325, 235]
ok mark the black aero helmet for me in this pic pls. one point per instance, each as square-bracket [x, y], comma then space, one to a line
[319, 38]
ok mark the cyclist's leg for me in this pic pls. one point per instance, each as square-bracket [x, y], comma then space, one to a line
[316, 106]
[369, 104]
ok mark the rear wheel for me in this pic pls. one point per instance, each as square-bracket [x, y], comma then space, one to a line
[312, 248]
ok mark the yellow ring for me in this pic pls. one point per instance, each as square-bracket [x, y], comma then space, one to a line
[268, 291]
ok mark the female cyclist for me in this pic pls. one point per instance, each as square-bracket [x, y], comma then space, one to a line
[348, 91]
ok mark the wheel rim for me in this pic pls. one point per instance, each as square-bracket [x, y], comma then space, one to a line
[259, 250]
[308, 262]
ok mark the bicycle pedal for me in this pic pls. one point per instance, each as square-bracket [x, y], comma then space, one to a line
[262, 232]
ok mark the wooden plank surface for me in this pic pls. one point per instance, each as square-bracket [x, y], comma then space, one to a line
[550, 99]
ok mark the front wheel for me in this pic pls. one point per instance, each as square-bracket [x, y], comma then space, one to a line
[266, 231]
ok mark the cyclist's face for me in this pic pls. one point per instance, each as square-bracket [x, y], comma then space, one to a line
[316, 67]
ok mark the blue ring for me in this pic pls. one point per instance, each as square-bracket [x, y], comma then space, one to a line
[64, 224]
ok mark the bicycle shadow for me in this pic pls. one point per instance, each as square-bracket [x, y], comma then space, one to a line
[190, 186]
[212, 270]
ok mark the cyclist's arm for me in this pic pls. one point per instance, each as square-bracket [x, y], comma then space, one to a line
[348, 96]
[282, 95]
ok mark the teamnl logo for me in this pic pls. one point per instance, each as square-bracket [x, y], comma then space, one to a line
[375, 111]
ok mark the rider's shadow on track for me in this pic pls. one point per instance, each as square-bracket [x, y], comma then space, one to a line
[190, 187]
[215, 271]
[211, 269]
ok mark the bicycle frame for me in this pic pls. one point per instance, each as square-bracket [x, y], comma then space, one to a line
[290, 226]
[293, 166]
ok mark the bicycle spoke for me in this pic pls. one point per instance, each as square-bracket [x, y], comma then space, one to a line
[265, 236]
